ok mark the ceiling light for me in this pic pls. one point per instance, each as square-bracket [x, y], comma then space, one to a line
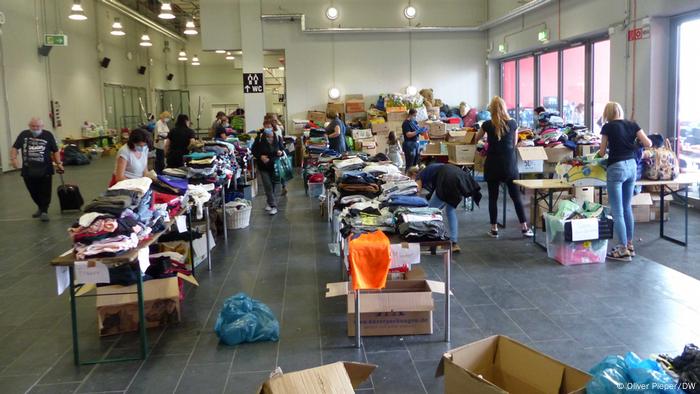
[334, 93]
[166, 11]
[145, 41]
[229, 56]
[411, 90]
[182, 56]
[117, 28]
[76, 12]
[220, 51]
[195, 60]
[409, 12]
[332, 13]
[190, 28]
[281, 68]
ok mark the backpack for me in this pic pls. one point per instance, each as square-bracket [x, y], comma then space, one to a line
[661, 164]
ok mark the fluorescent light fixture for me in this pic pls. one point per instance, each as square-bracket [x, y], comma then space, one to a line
[332, 13]
[334, 93]
[182, 56]
[220, 51]
[195, 60]
[117, 28]
[190, 28]
[145, 41]
[543, 35]
[76, 12]
[409, 12]
[166, 11]
[411, 90]
[229, 56]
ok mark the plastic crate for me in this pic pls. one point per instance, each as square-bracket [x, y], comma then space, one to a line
[315, 189]
[572, 253]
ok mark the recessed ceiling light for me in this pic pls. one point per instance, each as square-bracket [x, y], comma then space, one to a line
[410, 12]
[332, 13]
[166, 11]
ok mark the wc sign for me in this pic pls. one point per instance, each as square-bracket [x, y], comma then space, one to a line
[252, 82]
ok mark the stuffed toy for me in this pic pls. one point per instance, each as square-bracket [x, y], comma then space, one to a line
[427, 97]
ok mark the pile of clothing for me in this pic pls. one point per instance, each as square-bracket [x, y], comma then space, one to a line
[569, 252]
[420, 224]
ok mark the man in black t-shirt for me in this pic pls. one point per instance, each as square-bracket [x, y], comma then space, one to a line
[39, 150]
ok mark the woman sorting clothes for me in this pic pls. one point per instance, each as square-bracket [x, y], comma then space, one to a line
[267, 148]
[178, 142]
[132, 159]
[336, 132]
[411, 130]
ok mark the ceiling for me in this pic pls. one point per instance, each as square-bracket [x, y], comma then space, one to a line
[183, 10]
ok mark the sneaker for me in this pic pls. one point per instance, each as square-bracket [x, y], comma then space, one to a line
[36, 214]
[44, 217]
[528, 233]
[456, 248]
[493, 233]
[268, 208]
[273, 211]
[630, 249]
[619, 253]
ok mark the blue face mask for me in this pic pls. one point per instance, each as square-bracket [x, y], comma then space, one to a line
[267, 131]
[36, 133]
[143, 148]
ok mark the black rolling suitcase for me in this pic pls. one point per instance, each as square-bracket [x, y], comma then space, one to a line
[69, 196]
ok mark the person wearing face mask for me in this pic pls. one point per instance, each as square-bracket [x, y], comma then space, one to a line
[178, 142]
[159, 138]
[132, 159]
[214, 129]
[267, 148]
[411, 130]
[336, 132]
[39, 149]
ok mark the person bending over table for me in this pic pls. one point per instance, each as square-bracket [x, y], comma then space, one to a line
[501, 164]
[621, 138]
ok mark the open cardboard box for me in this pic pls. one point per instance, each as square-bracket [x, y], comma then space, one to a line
[403, 307]
[500, 365]
[342, 377]
[531, 159]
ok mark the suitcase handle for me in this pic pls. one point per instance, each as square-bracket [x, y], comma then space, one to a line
[61, 176]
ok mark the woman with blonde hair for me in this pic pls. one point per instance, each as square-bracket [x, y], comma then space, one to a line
[621, 138]
[501, 164]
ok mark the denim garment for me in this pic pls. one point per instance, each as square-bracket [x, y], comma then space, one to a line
[620, 184]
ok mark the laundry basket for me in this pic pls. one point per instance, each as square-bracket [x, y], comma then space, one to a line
[238, 214]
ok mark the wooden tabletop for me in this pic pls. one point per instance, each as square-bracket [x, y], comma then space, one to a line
[543, 184]
[466, 163]
[433, 154]
[682, 179]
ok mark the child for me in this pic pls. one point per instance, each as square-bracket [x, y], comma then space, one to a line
[394, 151]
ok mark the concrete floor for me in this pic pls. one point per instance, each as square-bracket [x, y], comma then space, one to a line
[577, 314]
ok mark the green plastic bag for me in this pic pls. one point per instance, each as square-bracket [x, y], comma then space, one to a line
[284, 170]
[350, 143]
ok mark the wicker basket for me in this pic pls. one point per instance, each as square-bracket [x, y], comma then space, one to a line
[238, 218]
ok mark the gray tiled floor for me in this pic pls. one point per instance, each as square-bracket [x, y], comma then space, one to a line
[508, 286]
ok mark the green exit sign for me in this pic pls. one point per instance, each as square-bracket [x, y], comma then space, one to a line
[543, 36]
[55, 40]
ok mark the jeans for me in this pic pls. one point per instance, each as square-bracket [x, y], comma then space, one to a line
[410, 151]
[514, 195]
[621, 178]
[269, 186]
[40, 191]
[450, 212]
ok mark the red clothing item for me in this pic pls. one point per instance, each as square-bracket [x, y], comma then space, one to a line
[369, 255]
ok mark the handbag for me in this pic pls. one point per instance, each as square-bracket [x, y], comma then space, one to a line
[283, 168]
[661, 164]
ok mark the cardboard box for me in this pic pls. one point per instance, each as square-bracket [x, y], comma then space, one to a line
[531, 159]
[395, 116]
[641, 207]
[585, 150]
[479, 161]
[354, 103]
[584, 193]
[395, 109]
[558, 153]
[500, 365]
[458, 136]
[437, 129]
[341, 377]
[403, 307]
[435, 148]
[117, 311]
[461, 153]
[338, 107]
[656, 207]
[361, 133]
[380, 128]
[317, 117]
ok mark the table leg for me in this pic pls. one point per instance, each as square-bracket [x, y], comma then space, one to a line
[142, 316]
[538, 196]
[341, 246]
[685, 203]
[662, 215]
[447, 257]
[223, 210]
[662, 194]
[206, 215]
[74, 317]
[358, 334]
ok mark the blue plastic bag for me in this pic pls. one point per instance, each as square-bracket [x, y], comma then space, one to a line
[617, 375]
[483, 115]
[243, 319]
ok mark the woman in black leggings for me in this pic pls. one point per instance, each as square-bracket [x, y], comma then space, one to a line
[501, 163]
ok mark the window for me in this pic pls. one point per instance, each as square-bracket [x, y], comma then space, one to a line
[508, 86]
[574, 85]
[526, 91]
[601, 81]
[549, 81]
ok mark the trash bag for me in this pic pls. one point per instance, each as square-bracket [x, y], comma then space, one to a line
[243, 319]
[617, 375]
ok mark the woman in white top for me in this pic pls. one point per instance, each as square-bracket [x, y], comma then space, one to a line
[160, 135]
[132, 160]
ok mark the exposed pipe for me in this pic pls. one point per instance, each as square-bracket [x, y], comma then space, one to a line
[531, 6]
[143, 20]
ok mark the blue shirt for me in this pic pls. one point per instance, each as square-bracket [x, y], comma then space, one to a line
[337, 143]
[410, 125]
[428, 175]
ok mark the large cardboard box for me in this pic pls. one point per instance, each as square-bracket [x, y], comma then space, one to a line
[367, 145]
[656, 207]
[117, 311]
[338, 107]
[531, 159]
[479, 161]
[341, 377]
[641, 207]
[396, 109]
[395, 116]
[461, 153]
[317, 117]
[558, 153]
[585, 150]
[584, 193]
[354, 103]
[380, 128]
[435, 148]
[437, 129]
[403, 307]
[500, 365]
